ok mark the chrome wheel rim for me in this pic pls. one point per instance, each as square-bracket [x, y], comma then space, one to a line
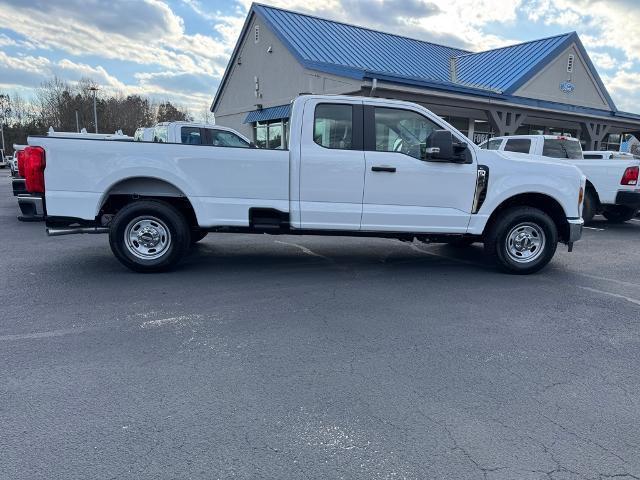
[147, 238]
[525, 242]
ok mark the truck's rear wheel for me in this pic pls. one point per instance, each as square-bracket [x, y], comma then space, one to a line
[522, 241]
[149, 236]
[589, 207]
[618, 214]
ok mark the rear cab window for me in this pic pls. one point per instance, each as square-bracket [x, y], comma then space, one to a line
[519, 145]
[562, 148]
[333, 126]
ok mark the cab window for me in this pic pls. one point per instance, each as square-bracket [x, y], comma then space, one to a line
[402, 131]
[493, 144]
[191, 135]
[333, 126]
[222, 138]
[520, 145]
[160, 134]
[562, 148]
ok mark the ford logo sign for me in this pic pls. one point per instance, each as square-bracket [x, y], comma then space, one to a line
[567, 87]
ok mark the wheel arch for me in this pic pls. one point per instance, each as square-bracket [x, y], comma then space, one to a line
[130, 189]
[541, 201]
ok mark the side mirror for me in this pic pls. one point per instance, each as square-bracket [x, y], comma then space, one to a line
[440, 147]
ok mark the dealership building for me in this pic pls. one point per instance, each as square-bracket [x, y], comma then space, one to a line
[546, 86]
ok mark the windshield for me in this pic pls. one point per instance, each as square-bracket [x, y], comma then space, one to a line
[562, 148]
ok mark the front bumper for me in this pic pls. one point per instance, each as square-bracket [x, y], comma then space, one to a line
[575, 229]
[19, 186]
[628, 198]
[31, 207]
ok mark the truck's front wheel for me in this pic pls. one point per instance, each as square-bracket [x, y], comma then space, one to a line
[149, 236]
[523, 240]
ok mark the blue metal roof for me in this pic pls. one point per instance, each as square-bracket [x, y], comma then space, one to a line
[271, 113]
[361, 53]
[501, 68]
[353, 51]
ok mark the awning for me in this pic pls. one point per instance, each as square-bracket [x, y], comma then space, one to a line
[271, 113]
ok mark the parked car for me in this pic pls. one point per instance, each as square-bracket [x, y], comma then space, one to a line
[356, 166]
[13, 165]
[612, 183]
[194, 133]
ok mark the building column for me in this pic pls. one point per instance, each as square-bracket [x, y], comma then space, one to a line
[471, 128]
[594, 133]
[505, 122]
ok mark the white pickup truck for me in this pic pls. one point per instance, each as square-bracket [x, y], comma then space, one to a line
[195, 133]
[355, 166]
[612, 183]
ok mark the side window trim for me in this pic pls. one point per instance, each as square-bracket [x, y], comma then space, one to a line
[357, 128]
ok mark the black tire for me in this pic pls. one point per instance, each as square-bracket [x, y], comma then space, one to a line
[589, 206]
[517, 221]
[197, 235]
[619, 214]
[172, 246]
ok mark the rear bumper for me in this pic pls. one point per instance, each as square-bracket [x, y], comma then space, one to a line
[31, 207]
[628, 198]
[19, 186]
[575, 229]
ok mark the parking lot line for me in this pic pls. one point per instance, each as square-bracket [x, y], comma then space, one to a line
[52, 333]
[616, 295]
[596, 229]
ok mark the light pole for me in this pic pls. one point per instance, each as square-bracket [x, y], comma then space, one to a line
[95, 89]
[5, 109]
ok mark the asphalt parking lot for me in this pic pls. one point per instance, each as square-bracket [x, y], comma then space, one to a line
[306, 357]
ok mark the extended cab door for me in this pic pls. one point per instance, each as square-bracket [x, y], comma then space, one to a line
[331, 165]
[403, 192]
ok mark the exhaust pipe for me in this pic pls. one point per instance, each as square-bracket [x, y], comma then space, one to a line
[56, 232]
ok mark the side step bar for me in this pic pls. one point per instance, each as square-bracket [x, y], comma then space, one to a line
[56, 232]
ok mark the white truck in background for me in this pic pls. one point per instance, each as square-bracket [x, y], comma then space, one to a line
[612, 183]
[192, 133]
[355, 167]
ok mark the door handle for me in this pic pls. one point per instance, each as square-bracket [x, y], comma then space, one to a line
[383, 169]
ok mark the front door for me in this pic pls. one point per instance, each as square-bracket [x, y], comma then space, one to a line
[331, 165]
[403, 192]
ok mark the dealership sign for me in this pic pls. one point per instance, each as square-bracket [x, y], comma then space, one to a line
[567, 87]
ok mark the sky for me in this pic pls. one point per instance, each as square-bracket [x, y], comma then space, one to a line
[177, 50]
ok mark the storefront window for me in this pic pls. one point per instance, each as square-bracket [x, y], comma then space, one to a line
[272, 134]
[481, 131]
[261, 135]
[460, 123]
[611, 142]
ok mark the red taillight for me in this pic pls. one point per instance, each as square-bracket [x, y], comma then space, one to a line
[630, 176]
[34, 164]
[20, 163]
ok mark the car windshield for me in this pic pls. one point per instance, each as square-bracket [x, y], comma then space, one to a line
[562, 148]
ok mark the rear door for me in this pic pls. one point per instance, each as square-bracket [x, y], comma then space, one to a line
[402, 191]
[331, 165]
